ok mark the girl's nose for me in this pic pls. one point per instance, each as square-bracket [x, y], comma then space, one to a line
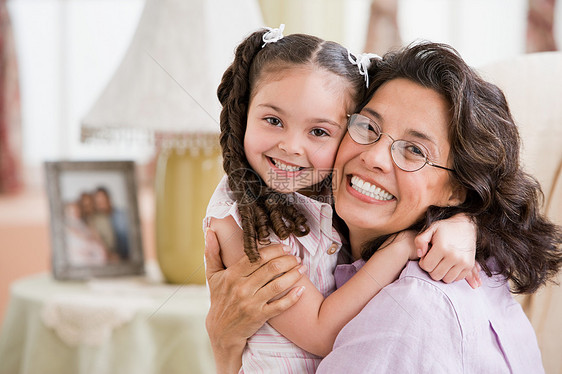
[377, 155]
[292, 144]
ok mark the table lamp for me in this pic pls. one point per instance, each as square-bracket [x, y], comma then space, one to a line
[164, 93]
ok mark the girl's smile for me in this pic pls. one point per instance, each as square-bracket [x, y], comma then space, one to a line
[285, 166]
[296, 120]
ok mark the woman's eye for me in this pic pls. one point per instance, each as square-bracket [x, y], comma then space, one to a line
[369, 128]
[370, 131]
[319, 132]
[373, 130]
[273, 121]
[415, 151]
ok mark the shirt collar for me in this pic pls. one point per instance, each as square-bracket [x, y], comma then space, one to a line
[319, 220]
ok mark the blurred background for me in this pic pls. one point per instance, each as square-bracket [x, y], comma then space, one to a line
[65, 51]
[57, 57]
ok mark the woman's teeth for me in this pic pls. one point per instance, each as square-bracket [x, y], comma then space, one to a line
[367, 189]
[284, 166]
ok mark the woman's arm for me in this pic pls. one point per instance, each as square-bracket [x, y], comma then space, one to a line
[240, 298]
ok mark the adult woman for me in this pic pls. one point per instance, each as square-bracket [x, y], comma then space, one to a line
[441, 141]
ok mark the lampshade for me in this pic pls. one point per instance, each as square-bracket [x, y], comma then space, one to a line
[166, 84]
[165, 91]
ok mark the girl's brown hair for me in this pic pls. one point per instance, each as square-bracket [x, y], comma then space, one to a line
[503, 200]
[262, 209]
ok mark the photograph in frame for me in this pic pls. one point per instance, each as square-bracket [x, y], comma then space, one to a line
[95, 225]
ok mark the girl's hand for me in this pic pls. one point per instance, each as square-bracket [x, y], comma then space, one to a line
[406, 239]
[453, 250]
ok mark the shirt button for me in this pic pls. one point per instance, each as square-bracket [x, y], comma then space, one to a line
[333, 248]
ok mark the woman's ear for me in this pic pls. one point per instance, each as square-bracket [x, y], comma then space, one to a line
[458, 195]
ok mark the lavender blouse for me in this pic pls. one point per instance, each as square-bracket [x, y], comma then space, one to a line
[418, 325]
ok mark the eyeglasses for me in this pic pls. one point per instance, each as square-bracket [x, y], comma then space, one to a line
[408, 156]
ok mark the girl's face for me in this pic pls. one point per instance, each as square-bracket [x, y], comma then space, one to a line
[408, 111]
[296, 120]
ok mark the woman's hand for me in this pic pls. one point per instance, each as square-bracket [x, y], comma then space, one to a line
[241, 298]
[453, 250]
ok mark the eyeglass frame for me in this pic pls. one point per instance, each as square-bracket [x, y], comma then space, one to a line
[427, 160]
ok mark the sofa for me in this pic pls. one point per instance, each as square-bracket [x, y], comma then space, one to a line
[532, 84]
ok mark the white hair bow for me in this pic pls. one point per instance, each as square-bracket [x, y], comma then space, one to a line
[363, 61]
[273, 35]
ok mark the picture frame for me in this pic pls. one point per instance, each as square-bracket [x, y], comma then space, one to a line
[95, 224]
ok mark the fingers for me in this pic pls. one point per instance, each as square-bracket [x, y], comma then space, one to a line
[279, 285]
[244, 267]
[213, 260]
[473, 277]
[245, 279]
[438, 265]
[471, 281]
[448, 274]
[422, 241]
[430, 261]
[454, 273]
[441, 269]
[279, 306]
[463, 274]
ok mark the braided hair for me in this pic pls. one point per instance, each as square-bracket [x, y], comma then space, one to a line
[262, 209]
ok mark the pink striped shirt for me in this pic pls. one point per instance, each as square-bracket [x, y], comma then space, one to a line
[267, 350]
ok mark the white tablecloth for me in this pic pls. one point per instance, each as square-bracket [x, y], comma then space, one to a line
[113, 326]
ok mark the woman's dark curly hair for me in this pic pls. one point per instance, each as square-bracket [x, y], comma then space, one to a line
[262, 209]
[503, 200]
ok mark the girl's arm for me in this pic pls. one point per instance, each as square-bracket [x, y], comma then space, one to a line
[314, 321]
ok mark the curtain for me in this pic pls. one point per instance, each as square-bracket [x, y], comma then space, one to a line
[10, 121]
[540, 26]
[383, 33]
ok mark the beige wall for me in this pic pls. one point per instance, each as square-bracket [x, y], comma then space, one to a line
[317, 17]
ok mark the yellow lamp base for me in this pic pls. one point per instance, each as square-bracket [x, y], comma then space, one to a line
[185, 181]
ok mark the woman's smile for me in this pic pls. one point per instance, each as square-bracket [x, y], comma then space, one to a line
[367, 189]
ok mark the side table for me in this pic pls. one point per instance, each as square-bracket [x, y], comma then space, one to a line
[108, 326]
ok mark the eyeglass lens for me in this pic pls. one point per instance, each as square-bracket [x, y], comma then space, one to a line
[406, 155]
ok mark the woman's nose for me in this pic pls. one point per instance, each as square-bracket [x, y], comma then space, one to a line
[377, 155]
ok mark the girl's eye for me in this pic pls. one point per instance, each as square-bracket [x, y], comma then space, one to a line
[319, 132]
[273, 121]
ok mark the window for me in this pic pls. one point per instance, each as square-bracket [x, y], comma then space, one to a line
[67, 52]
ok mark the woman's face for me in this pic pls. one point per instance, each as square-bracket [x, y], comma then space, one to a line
[403, 110]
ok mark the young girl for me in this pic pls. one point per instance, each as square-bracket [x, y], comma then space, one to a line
[285, 105]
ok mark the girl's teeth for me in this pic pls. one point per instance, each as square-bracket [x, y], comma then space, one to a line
[367, 189]
[285, 167]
